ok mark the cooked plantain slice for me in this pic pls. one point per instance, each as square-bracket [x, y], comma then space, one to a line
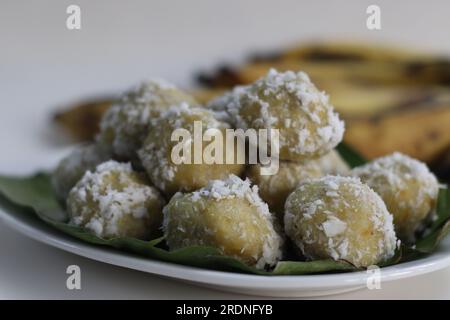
[422, 132]
[81, 120]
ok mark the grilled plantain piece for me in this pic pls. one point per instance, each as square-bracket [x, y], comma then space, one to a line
[340, 52]
[422, 132]
[81, 120]
[426, 72]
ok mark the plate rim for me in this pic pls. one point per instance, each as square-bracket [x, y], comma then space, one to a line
[55, 238]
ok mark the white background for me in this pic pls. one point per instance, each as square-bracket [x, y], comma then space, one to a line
[44, 66]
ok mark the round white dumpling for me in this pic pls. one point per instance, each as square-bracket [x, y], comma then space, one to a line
[342, 219]
[72, 168]
[125, 125]
[407, 187]
[274, 189]
[290, 102]
[157, 154]
[332, 164]
[226, 214]
[115, 201]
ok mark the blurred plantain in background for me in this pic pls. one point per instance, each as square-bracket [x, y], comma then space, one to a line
[392, 100]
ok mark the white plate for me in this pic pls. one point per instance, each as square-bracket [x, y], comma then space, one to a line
[272, 286]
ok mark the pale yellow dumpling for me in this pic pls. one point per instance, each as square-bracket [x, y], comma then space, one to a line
[340, 218]
[274, 189]
[226, 214]
[332, 164]
[407, 187]
[125, 125]
[157, 154]
[72, 168]
[290, 102]
[115, 201]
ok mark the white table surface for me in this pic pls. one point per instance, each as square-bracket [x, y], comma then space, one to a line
[44, 66]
